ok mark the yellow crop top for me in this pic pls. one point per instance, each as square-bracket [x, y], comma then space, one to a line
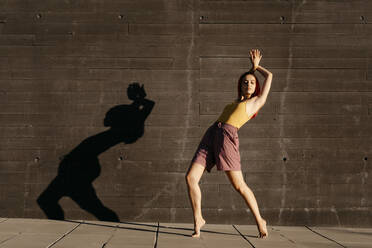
[235, 114]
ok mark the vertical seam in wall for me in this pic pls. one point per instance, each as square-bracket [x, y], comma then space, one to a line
[26, 185]
[283, 149]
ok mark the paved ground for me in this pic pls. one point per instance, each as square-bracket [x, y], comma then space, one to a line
[20, 233]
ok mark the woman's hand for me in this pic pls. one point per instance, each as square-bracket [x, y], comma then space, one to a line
[255, 57]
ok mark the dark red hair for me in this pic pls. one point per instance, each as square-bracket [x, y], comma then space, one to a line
[256, 92]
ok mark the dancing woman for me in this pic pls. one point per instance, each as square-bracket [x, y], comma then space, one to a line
[220, 144]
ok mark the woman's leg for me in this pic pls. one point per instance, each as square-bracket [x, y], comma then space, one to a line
[192, 179]
[237, 180]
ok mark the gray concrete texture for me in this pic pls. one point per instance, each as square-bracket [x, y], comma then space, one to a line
[20, 233]
[306, 156]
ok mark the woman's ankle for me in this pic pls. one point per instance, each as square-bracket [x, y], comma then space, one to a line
[198, 219]
[259, 220]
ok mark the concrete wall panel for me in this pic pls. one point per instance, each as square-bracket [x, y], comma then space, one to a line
[306, 155]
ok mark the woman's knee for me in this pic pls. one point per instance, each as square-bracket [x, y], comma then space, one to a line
[237, 181]
[194, 173]
[240, 187]
[191, 179]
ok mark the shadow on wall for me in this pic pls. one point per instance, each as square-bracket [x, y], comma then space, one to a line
[81, 166]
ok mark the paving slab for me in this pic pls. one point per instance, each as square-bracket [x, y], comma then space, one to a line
[176, 235]
[274, 239]
[31, 232]
[136, 235]
[222, 236]
[89, 235]
[179, 235]
[19, 233]
[301, 236]
[349, 237]
[36, 226]
[6, 236]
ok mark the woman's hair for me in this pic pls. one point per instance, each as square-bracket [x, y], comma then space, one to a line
[256, 92]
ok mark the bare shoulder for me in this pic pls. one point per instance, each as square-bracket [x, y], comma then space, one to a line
[253, 105]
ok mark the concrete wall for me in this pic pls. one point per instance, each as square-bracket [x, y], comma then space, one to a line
[306, 156]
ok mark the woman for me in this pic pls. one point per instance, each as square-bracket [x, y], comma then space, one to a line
[220, 144]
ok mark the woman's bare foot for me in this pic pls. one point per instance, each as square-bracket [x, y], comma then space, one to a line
[262, 229]
[197, 226]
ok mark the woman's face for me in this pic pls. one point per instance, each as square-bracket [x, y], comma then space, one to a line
[248, 85]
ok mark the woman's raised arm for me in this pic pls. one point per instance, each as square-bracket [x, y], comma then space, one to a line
[261, 99]
[256, 56]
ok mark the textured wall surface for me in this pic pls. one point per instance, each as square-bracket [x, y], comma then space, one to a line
[306, 156]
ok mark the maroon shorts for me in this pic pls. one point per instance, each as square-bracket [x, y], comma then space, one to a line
[219, 146]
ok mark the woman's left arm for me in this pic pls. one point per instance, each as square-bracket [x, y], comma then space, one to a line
[261, 99]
